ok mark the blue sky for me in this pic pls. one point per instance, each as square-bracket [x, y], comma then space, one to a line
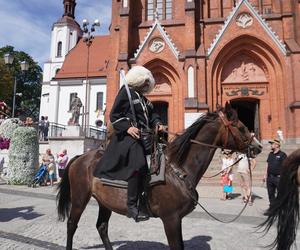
[26, 24]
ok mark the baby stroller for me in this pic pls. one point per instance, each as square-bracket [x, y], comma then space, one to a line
[40, 177]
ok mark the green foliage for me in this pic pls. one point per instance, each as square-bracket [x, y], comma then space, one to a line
[28, 83]
[6, 82]
[23, 156]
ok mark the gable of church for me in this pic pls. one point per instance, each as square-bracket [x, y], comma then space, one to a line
[157, 40]
[247, 19]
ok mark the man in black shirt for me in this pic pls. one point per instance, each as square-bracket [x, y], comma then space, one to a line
[274, 163]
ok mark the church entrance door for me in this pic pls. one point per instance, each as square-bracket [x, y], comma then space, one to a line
[248, 113]
[162, 109]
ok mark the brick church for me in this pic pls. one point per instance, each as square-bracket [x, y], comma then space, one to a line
[205, 53]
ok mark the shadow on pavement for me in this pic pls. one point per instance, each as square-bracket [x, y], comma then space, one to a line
[27, 213]
[198, 242]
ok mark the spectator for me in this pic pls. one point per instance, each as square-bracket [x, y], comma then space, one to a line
[28, 122]
[227, 160]
[62, 160]
[41, 128]
[48, 161]
[244, 176]
[46, 128]
[273, 169]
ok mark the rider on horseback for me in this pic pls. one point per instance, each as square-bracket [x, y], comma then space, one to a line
[125, 156]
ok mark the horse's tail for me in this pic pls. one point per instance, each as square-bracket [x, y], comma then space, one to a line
[285, 208]
[63, 197]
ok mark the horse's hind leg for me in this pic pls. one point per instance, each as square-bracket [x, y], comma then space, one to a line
[102, 226]
[75, 214]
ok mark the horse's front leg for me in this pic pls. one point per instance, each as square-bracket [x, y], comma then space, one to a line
[173, 231]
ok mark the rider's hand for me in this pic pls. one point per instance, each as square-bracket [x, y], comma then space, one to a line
[161, 127]
[134, 132]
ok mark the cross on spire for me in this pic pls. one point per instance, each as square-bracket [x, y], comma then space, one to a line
[156, 15]
[69, 6]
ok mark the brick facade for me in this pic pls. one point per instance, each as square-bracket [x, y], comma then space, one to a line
[246, 52]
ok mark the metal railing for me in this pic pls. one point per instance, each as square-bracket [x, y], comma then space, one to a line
[55, 129]
[96, 133]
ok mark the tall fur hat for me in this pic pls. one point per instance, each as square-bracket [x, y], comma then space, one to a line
[137, 76]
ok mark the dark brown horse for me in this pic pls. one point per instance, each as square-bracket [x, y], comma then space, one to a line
[170, 201]
[285, 209]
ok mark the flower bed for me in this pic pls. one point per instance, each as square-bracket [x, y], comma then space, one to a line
[8, 127]
[4, 143]
[23, 155]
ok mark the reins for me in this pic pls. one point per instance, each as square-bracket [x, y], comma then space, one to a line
[182, 176]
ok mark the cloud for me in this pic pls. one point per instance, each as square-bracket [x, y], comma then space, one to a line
[95, 9]
[26, 24]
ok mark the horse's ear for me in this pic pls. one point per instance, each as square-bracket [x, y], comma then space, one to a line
[218, 107]
[230, 112]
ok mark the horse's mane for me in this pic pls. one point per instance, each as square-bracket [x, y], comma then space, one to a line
[285, 209]
[179, 147]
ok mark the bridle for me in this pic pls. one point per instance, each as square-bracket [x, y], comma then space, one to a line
[229, 128]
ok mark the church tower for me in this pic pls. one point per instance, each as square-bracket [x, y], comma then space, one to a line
[64, 37]
[65, 34]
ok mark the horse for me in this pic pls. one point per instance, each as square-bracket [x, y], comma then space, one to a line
[188, 157]
[285, 209]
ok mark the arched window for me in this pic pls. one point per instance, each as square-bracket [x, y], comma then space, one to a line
[162, 7]
[59, 49]
[191, 82]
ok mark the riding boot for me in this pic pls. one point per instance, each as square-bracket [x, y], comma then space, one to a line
[132, 200]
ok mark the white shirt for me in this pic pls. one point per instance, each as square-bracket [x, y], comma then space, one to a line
[243, 166]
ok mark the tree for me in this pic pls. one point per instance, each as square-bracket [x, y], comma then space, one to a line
[28, 83]
[6, 83]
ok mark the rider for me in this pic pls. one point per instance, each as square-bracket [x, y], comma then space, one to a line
[125, 156]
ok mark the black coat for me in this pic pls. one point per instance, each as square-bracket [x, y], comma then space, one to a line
[124, 154]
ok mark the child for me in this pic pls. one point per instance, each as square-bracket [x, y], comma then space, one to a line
[226, 177]
[51, 167]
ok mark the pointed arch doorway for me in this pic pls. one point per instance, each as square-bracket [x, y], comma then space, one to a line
[161, 109]
[248, 113]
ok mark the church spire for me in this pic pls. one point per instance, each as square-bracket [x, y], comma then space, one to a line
[69, 8]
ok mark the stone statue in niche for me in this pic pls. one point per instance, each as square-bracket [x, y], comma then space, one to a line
[244, 20]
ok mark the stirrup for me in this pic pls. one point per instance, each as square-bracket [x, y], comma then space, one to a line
[137, 215]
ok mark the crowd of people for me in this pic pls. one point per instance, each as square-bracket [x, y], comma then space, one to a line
[54, 166]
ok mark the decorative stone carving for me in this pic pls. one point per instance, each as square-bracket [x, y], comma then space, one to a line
[162, 86]
[244, 68]
[244, 20]
[156, 45]
[245, 91]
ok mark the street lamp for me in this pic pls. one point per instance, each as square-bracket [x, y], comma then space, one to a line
[8, 60]
[88, 39]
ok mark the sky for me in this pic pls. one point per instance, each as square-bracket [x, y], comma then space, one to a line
[26, 24]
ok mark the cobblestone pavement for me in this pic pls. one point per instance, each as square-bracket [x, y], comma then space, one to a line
[28, 220]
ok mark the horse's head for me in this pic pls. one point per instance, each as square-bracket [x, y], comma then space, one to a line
[235, 135]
